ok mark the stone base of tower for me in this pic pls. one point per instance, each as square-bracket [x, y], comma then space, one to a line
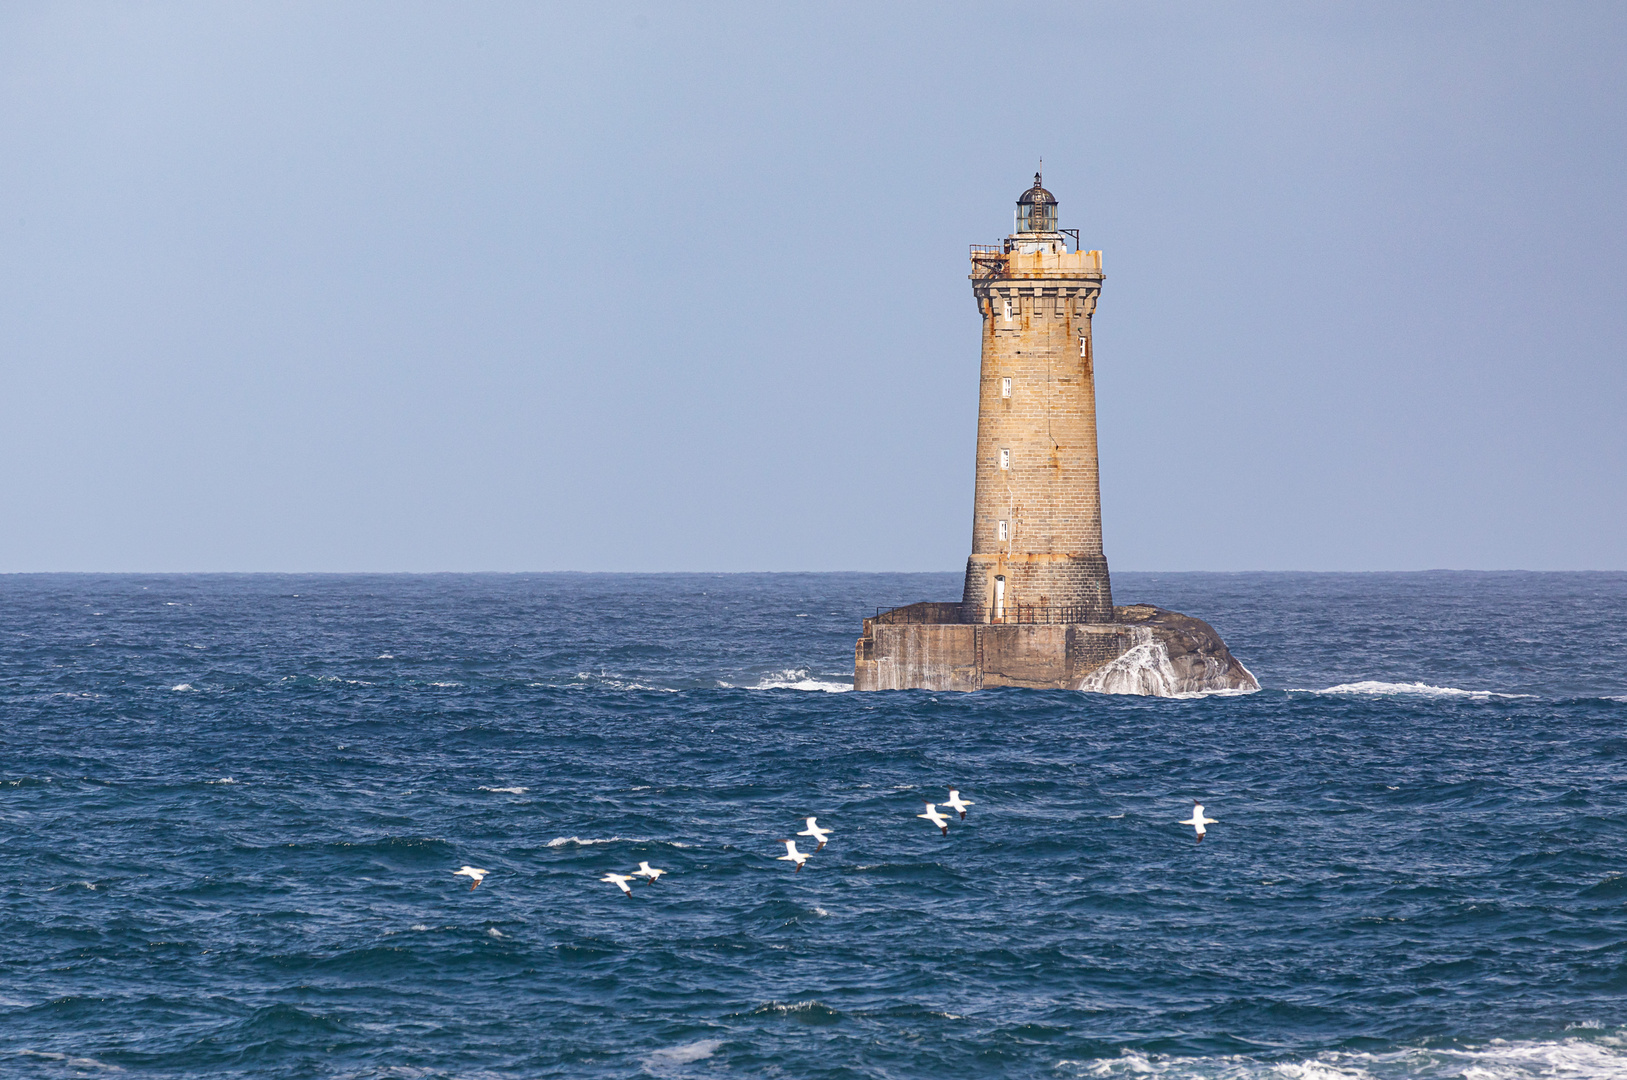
[1038, 588]
[1144, 650]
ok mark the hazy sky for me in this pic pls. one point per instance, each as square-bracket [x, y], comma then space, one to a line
[329, 286]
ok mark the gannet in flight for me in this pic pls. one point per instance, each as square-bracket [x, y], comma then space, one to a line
[619, 881]
[645, 870]
[1197, 820]
[816, 832]
[793, 855]
[472, 872]
[956, 802]
[935, 817]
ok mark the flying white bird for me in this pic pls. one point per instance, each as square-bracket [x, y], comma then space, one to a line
[816, 832]
[619, 881]
[1197, 820]
[645, 870]
[793, 855]
[956, 802]
[472, 872]
[935, 817]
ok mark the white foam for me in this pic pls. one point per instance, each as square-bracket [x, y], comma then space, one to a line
[659, 1061]
[561, 841]
[446, 684]
[75, 1062]
[222, 780]
[1145, 670]
[494, 932]
[1415, 689]
[793, 679]
[182, 686]
[508, 790]
[615, 682]
[1600, 1057]
[385, 656]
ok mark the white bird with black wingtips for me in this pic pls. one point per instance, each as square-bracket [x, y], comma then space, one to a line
[936, 817]
[645, 870]
[619, 881]
[472, 872]
[793, 855]
[1198, 821]
[955, 802]
[816, 832]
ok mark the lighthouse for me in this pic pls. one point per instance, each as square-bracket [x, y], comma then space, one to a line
[1037, 607]
[1037, 512]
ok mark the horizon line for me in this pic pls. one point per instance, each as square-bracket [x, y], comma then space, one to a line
[741, 573]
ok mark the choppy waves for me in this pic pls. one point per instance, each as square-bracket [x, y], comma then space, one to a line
[1410, 878]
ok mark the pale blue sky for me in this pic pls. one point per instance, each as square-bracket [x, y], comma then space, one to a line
[329, 286]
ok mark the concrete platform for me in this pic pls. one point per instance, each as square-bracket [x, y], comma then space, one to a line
[1145, 650]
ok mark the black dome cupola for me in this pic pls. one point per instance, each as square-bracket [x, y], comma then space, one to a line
[1036, 209]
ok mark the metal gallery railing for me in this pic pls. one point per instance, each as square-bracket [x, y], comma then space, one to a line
[1042, 613]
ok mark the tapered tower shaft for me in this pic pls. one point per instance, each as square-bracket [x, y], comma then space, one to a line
[1036, 523]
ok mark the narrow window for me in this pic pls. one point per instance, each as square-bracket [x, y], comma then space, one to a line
[1081, 344]
[1008, 309]
[1000, 597]
[1005, 458]
[1005, 387]
[1003, 535]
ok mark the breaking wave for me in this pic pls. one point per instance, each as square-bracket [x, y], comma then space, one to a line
[792, 679]
[562, 841]
[1594, 1058]
[1418, 689]
[1145, 670]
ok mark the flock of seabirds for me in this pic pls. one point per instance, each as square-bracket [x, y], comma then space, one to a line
[652, 874]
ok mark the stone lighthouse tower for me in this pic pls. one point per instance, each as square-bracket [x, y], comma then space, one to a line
[1037, 609]
[1037, 515]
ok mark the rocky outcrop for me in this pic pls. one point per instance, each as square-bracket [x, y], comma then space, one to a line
[1170, 655]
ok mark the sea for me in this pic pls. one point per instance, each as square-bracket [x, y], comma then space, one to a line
[232, 808]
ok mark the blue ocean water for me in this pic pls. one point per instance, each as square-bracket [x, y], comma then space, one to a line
[230, 808]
